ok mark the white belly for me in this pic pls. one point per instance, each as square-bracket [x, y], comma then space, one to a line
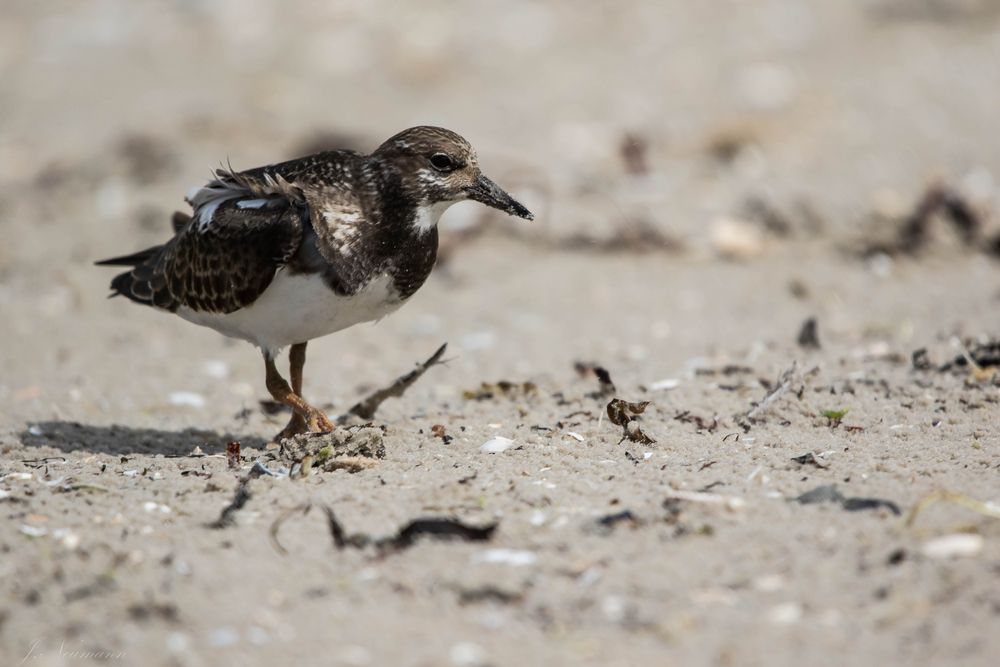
[298, 308]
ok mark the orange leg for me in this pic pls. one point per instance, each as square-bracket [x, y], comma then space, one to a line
[304, 416]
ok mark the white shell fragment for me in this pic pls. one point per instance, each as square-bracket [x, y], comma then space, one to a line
[155, 507]
[736, 239]
[729, 502]
[497, 445]
[188, 399]
[514, 557]
[34, 531]
[953, 546]
[665, 385]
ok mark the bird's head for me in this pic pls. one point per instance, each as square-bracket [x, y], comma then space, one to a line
[439, 168]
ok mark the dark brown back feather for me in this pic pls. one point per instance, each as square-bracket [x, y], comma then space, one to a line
[219, 269]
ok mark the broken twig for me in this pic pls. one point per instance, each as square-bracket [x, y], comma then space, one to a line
[783, 385]
[366, 408]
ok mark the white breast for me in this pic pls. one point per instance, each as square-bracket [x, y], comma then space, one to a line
[298, 308]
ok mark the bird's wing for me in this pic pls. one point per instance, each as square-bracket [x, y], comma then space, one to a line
[243, 228]
[322, 184]
[220, 266]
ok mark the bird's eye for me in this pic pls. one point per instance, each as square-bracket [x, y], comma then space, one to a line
[442, 162]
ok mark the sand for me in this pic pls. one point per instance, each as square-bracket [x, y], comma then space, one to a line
[767, 144]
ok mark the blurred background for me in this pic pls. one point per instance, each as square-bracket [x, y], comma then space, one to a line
[706, 177]
[685, 132]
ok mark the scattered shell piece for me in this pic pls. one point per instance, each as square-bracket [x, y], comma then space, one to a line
[575, 436]
[953, 546]
[736, 239]
[786, 613]
[34, 531]
[497, 445]
[538, 518]
[665, 385]
[150, 506]
[514, 557]
[130, 473]
[729, 502]
[24, 476]
[4, 493]
[67, 538]
[468, 654]
[35, 430]
[188, 399]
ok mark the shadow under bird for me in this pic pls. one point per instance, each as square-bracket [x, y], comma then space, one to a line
[289, 252]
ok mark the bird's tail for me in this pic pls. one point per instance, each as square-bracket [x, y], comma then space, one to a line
[135, 259]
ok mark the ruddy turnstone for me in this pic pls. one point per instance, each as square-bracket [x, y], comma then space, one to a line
[289, 252]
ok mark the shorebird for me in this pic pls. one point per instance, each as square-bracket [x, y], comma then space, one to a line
[282, 254]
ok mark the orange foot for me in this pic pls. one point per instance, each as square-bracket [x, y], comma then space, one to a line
[314, 422]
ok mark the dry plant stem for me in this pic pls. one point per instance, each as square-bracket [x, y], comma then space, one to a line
[783, 385]
[986, 509]
[366, 409]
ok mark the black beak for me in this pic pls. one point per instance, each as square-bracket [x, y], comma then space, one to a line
[487, 192]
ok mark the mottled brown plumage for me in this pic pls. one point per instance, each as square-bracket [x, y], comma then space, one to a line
[248, 260]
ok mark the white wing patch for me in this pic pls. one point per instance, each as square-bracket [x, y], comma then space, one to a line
[206, 200]
[252, 203]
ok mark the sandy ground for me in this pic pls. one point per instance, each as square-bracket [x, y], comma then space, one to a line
[767, 144]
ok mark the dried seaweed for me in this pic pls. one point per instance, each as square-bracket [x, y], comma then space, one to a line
[438, 431]
[605, 386]
[810, 458]
[240, 498]
[606, 524]
[624, 414]
[701, 423]
[233, 455]
[914, 231]
[511, 390]
[633, 150]
[366, 409]
[829, 493]
[808, 338]
[438, 528]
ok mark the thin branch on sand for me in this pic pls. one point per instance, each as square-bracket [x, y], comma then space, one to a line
[366, 409]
